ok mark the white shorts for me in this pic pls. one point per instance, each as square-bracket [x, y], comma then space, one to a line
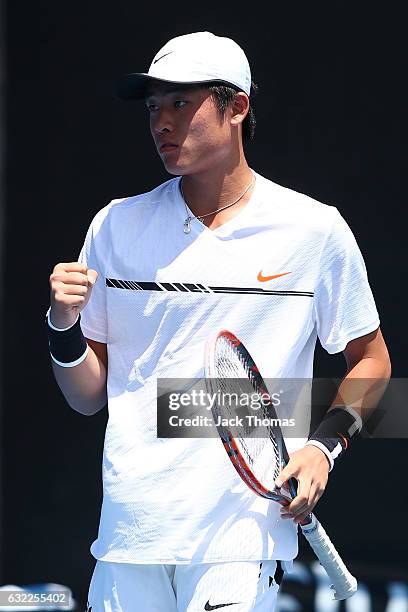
[247, 586]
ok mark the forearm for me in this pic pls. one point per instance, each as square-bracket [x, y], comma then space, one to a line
[361, 389]
[364, 385]
[84, 385]
[368, 372]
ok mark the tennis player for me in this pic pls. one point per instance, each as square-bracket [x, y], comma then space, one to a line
[217, 246]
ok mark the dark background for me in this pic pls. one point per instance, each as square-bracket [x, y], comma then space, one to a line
[330, 109]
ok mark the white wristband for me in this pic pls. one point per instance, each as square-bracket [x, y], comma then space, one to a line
[72, 363]
[61, 329]
[324, 450]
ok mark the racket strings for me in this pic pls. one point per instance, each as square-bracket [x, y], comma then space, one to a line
[236, 376]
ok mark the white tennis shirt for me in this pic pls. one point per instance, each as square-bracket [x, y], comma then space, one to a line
[159, 295]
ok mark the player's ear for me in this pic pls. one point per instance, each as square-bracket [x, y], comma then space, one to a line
[239, 108]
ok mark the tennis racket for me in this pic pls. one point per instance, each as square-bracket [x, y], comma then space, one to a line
[258, 453]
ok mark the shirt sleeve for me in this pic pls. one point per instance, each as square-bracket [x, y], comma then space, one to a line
[94, 317]
[344, 305]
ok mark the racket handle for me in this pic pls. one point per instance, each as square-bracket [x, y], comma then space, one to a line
[344, 584]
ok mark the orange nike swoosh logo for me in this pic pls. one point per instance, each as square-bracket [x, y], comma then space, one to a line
[263, 279]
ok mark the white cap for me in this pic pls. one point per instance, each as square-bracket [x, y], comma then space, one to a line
[193, 58]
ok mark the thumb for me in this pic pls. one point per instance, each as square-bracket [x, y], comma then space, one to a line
[283, 477]
[92, 276]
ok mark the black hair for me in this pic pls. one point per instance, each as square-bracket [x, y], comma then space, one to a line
[223, 96]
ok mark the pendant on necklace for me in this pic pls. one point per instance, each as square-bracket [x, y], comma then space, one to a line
[186, 226]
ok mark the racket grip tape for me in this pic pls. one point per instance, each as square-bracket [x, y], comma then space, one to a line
[344, 584]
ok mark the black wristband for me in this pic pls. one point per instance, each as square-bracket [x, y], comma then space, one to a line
[68, 347]
[335, 432]
[338, 422]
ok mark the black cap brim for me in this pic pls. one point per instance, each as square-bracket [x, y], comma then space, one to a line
[133, 86]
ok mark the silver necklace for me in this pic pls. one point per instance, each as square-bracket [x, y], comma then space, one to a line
[189, 218]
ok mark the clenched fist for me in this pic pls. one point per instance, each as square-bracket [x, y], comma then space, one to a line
[71, 288]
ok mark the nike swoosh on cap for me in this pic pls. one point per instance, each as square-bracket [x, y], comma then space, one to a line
[209, 607]
[263, 279]
[161, 57]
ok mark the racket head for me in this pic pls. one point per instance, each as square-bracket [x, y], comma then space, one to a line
[344, 584]
[258, 453]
